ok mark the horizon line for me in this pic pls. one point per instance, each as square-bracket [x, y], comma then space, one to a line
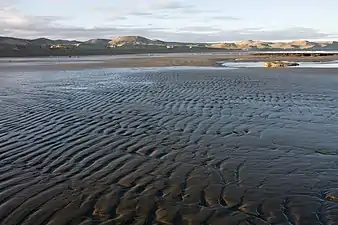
[207, 42]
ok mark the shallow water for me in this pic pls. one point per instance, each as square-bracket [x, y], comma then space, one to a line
[331, 64]
[169, 146]
[105, 57]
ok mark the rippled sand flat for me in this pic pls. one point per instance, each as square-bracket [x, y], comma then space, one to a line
[169, 146]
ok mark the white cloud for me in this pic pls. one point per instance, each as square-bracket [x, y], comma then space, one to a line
[7, 3]
[17, 24]
[225, 18]
[13, 19]
[168, 5]
[10, 18]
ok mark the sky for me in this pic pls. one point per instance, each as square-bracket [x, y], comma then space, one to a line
[171, 20]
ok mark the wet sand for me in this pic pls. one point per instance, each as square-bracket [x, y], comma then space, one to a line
[136, 61]
[169, 146]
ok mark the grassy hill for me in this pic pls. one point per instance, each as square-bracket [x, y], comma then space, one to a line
[18, 47]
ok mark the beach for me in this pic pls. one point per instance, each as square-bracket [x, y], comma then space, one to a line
[151, 60]
[170, 140]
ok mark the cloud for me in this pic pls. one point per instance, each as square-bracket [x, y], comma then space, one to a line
[158, 10]
[117, 17]
[13, 19]
[133, 7]
[280, 34]
[153, 10]
[13, 23]
[135, 13]
[293, 33]
[7, 3]
[199, 29]
[195, 34]
[17, 24]
[168, 5]
[225, 18]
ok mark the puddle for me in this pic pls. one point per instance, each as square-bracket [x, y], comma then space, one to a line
[331, 64]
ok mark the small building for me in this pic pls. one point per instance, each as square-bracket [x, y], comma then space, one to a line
[55, 46]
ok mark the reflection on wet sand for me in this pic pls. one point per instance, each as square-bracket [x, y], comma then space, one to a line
[169, 146]
[330, 64]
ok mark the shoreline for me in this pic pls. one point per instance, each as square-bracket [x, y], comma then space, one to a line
[137, 61]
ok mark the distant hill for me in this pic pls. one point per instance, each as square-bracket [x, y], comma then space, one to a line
[45, 41]
[10, 46]
[123, 41]
[95, 43]
[293, 45]
[330, 46]
[39, 41]
[13, 41]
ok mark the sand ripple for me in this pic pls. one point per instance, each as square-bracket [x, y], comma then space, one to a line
[169, 147]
